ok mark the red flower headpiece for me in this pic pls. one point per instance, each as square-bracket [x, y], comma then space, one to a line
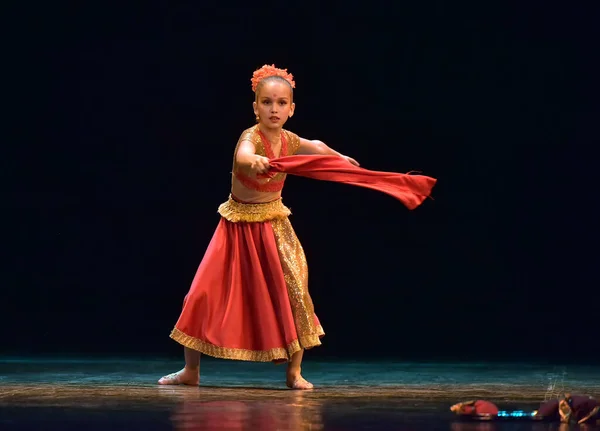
[267, 71]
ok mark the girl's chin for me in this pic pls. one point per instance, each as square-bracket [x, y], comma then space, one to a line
[272, 125]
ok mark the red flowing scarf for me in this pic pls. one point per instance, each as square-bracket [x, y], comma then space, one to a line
[409, 189]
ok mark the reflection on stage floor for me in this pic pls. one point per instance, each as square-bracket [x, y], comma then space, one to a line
[385, 395]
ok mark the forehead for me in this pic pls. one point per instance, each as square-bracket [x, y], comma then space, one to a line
[275, 90]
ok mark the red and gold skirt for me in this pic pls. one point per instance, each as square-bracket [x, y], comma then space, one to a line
[249, 299]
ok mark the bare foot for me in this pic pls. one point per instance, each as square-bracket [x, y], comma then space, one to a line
[298, 382]
[182, 377]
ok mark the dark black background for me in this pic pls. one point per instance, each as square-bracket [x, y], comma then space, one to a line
[125, 117]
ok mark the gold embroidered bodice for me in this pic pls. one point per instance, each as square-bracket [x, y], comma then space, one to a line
[289, 145]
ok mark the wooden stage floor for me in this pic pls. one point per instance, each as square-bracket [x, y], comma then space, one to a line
[123, 394]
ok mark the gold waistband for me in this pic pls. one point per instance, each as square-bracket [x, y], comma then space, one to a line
[235, 212]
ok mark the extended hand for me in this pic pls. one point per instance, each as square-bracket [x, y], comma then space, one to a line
[590, 414]
[351, 160]
[260, 165]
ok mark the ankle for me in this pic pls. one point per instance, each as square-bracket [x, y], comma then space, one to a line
[191, 369]
[294, 372]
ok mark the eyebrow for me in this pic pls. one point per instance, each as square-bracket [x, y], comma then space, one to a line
[280, 98]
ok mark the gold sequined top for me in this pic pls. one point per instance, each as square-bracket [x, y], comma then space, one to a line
[289, 145]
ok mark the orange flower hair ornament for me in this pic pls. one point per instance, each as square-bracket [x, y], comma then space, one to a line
[267, 71]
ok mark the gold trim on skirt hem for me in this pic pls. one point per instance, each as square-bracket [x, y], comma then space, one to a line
[312, 340]
[236, 212]
[275, 354]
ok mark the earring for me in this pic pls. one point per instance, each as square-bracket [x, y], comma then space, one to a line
[257, 118]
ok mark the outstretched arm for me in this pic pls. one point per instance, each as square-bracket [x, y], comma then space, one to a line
[589, 415]
[246, 157]
[318, 147]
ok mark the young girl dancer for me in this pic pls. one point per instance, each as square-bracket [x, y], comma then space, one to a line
[249, 299]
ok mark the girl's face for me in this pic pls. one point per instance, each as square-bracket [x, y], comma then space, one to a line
[274, 104]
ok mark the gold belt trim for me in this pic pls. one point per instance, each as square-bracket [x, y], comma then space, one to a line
[236, 212]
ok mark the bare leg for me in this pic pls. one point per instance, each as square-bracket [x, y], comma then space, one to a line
[190, 375]
[294, 379]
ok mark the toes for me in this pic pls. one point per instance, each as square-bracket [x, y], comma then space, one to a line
[171, 379]
[305, 385]
[300, 384]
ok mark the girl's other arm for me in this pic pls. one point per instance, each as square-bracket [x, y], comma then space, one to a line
[319, 147]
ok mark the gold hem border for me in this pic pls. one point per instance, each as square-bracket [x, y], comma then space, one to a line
[275, 354]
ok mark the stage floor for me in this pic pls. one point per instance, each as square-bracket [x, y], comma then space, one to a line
[122, 394]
